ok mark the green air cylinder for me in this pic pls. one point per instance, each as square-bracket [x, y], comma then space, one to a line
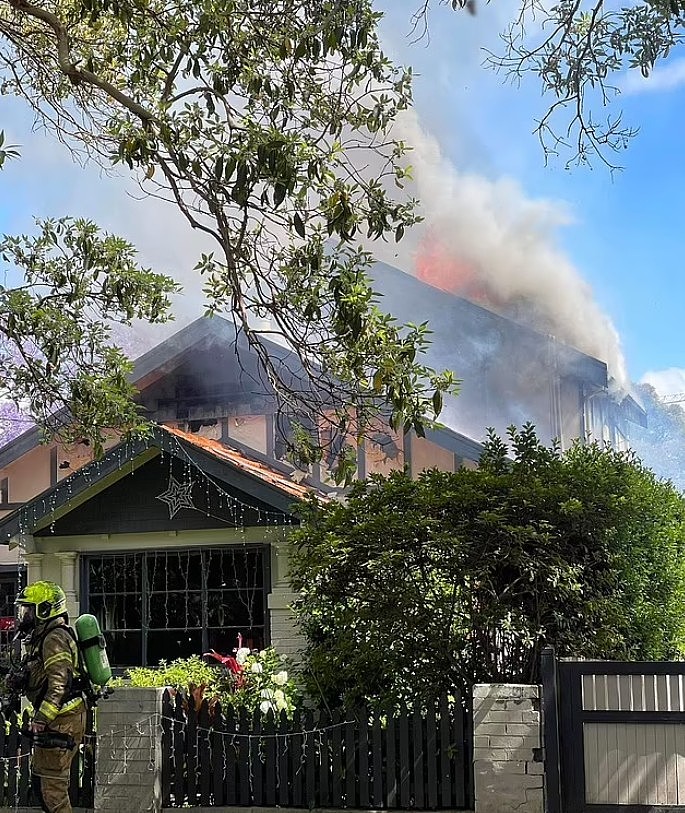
[92, 644]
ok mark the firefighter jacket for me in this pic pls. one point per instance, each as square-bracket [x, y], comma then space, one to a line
[53, 685]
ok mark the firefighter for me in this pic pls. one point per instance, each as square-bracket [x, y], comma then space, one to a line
[52, 685]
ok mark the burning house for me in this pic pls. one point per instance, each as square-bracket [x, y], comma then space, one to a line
[176, 542]
[511, 373]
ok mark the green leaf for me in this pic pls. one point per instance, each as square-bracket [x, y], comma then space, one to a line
[299, 225]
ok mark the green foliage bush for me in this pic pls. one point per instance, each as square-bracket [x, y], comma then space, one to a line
[266, 682]
[413, 587]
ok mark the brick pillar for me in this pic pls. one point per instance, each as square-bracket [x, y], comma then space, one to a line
[128, 771]
[507, 753]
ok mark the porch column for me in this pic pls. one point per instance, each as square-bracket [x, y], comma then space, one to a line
[285, 636]
[69, 563]
[34, 566]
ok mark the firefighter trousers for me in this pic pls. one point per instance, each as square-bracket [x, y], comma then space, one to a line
[51, 766]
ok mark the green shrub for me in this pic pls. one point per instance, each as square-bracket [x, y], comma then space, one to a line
[413, 587]
[264, 681]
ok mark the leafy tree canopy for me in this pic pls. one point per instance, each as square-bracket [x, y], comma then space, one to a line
[577, 50]
[412, 587]
[268, 125]
[57, 357]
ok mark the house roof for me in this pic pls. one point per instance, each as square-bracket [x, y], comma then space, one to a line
[251, 476]
[241, 461]
[163, 358]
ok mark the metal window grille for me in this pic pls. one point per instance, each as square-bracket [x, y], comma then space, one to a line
[167, 604]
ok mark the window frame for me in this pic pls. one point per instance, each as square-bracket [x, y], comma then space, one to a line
[146, 592]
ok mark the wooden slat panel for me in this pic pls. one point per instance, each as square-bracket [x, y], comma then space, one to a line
[336, 760]
[650, 693]
[637, 702]
[324, 763]
[12, 748]
[24, 784]
[256, 766]
[630, 737]
[591, 764]
[671, 761]
[296, 757]
[390, 763]
[205, 767]
[191, 753]
[445, 767]
[351, 776]
[680, 764]
[179, 751]
[268, 751]
[243, 759]
[612, 762]
[418, 743]
[167, 712]
[662, 692]
[284, 743]
[310, 750]
[431, 757]
[218, 754]
[231, 751]
[377, 762]
[634, 764]
[4, 800]
[364, 778]
[612, 701]
[624, 692]
[404, 764]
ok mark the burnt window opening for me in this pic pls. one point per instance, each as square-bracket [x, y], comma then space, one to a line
[158, 605]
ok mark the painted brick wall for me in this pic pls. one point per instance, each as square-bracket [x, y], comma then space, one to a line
[129, 757]
[507, 753]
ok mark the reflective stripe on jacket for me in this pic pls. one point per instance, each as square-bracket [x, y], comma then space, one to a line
[53, 671]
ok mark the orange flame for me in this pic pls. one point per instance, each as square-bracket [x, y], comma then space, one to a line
[440, 267]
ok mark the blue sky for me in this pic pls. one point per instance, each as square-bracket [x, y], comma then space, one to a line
[620, 233]
[625, 231]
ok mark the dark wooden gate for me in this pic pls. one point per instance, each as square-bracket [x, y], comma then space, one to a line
[614, 735]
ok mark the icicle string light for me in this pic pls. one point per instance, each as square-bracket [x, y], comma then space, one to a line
[182, 453]
[261, 736]
[47, 506]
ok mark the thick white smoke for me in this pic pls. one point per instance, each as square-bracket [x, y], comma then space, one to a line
[507, 242]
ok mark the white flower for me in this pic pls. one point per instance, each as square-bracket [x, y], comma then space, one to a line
[266, 693]
[242, 654]
[281, 704]
[279, 696]
[265, 706]
[256, 667]
[280, 678]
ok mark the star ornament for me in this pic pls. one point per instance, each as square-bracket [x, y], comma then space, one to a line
[177, 496]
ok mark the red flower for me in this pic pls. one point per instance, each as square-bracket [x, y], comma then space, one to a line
[225, 660]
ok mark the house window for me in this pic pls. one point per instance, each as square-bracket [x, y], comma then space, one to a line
[172, 604]
[4, 490]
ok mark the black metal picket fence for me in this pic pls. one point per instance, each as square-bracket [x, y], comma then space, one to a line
[213, 757]
[15, 767]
